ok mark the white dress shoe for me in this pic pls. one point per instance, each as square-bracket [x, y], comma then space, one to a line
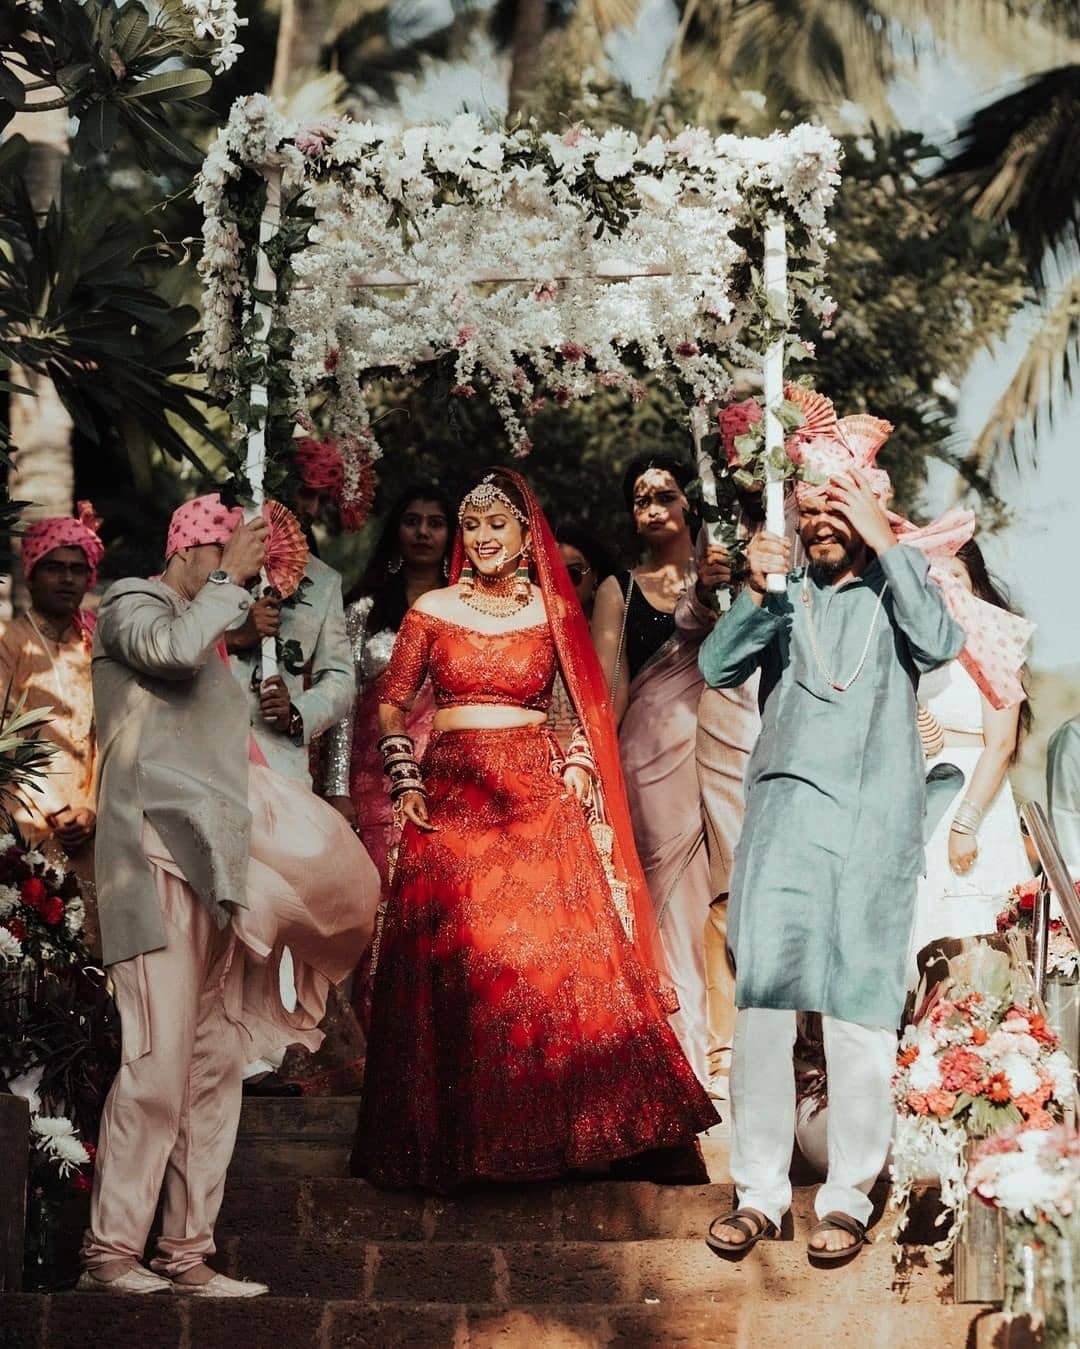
[220, 1286]
[134, 1280]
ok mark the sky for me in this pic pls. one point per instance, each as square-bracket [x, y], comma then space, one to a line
[1035, 553]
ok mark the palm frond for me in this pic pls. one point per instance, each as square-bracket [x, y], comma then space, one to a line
[1035, 397]
[1018, 162]
[24, 756]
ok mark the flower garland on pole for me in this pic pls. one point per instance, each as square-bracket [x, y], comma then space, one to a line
[536, 266]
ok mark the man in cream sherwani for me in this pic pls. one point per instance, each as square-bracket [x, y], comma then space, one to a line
[173, 736]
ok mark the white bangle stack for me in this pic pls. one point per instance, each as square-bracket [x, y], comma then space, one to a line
[968, 817]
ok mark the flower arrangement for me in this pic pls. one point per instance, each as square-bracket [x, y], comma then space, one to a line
[41, 910]
[1033, 1176]
[534, 265]
[980, 1059]
[747, 460]
[1062, 957]
[217, 22]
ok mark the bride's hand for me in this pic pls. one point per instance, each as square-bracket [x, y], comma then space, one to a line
[963, 850]
[414, 809]
[578, 781]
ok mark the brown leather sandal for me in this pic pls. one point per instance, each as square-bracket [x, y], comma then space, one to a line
[837, 1222]
[750, 1221]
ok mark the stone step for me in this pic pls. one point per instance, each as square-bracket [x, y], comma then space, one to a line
[528, 1273]
[295, 1136]
[826, 1315]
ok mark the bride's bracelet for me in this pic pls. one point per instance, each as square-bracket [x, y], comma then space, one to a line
[931, 733]
[579, 755]
[967, 818]
[400, 765]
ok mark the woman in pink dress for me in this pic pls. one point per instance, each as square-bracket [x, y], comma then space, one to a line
[410, 558]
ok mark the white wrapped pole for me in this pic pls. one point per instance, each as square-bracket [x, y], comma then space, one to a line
[777, 301]
[255, 462]
[699, 427]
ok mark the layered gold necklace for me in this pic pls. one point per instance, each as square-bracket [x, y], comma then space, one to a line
[496, 596]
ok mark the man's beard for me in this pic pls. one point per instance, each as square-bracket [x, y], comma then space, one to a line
[827, 572]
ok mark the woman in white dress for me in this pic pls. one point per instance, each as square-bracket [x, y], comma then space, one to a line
[976, 852]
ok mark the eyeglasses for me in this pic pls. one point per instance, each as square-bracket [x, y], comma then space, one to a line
[78, 571]
[576, 570]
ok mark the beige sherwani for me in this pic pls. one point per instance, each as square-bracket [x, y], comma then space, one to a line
[172, 749]
[172, 855]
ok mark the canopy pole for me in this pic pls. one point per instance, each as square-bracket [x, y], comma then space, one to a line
[699, 428]
[259, 400]
[776, 303]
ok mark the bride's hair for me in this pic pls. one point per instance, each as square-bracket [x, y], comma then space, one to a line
[985, 587]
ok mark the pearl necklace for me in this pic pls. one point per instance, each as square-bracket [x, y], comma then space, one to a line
[841, 686]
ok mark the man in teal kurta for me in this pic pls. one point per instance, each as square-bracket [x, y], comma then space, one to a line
[823, 886]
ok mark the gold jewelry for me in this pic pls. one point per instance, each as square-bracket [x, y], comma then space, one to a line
[497, 596]
[841, 686]
[484, 496]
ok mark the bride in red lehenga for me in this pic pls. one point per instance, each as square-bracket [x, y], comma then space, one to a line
[518, 1032]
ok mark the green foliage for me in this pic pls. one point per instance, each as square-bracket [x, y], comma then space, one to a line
[920, 289]
[74, 304]
[24, 756]
[103, 61]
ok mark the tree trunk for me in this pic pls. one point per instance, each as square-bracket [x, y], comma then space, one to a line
[530, 25]
[299, 42]
[43, 471]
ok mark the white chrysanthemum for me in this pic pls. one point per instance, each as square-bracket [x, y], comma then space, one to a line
[52, 1126]
[57, 1139]
[10, 947]
[1063, 1074]
[34, 858]
[6, 841]
[74, 916]
[924, 1074]
[1021, 1074]
[9, 898]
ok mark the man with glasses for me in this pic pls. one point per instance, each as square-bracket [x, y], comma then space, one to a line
[45, 656]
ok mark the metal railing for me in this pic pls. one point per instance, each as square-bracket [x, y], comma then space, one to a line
[1056, 880]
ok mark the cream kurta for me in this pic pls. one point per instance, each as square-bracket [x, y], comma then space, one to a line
[55, 675]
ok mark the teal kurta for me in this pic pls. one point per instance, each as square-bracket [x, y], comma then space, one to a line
[823, 885]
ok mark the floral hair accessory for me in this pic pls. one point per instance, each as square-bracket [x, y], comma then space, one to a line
[484, 496]
[65, 531]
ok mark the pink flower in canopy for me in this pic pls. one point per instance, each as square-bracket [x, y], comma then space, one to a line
[465, 334]
[535, 406]
[609, 378]
[546, 291]
[520, 378]
[573, 351]
[524, 448]
[637, 392]
[734, 421]
[330, 363]
[463, 390]
[686, 349]
[562, 395]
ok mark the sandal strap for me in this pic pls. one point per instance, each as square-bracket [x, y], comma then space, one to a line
[749, 1222]
[842, 1222]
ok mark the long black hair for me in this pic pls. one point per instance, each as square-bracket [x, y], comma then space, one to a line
[985, 587]
[387, 587]
[681, 470]
[589, 546]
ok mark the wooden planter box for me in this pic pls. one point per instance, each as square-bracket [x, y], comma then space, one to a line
[15, 1150]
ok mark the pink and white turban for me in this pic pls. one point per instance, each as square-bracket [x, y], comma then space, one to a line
[997, 640]
[65, 531]
[827, 446]
[204, 519]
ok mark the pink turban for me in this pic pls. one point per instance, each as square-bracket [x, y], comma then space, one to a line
[320, 465]
[205, 519]
[827, 446]
[996, 640]
[64, 531]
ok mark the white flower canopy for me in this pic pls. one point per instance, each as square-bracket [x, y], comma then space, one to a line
[540, 265]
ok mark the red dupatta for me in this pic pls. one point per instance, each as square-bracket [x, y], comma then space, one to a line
[588, 690]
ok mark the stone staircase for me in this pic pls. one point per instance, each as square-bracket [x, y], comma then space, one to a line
[560, 1266]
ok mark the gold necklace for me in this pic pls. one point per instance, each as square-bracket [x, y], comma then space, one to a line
[841, 686]
[496, 596]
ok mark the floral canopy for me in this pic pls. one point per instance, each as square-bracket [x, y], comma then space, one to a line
[538, 265]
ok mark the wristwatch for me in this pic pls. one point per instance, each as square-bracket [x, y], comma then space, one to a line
[219, 577]
[296, 726]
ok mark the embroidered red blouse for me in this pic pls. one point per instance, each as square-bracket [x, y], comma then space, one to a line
[511, 669]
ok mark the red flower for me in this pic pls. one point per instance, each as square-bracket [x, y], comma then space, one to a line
[998, 1089]
[332, 358]
[686, 349]
[53, 910]
[907, 1056]
[33, 892]
[1026, 903]
[735, 420]
[573, 351]
[17, 928]
[81, 1182]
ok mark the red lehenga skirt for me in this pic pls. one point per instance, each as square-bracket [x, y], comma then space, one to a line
[514, 1033]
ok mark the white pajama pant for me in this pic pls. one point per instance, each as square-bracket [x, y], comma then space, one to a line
[859, 1061]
